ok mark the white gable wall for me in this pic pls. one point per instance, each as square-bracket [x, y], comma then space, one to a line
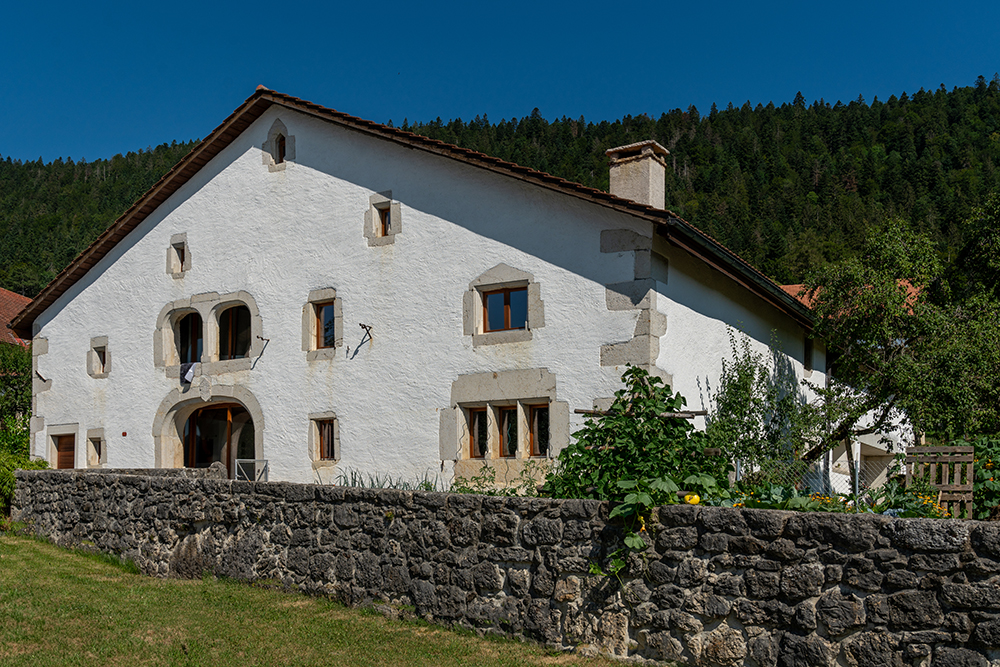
[279, 234]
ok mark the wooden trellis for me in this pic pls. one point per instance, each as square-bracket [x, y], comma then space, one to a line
[949, 469]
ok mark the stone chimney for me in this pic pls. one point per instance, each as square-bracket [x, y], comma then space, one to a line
[638, 172]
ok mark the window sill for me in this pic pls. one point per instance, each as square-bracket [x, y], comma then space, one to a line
[324, 463]
[99, 376]
[381, 240]
[321, 354]
[500, 337]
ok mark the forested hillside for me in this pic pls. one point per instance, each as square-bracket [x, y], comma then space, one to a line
[50, 212]
[787, 187]
[791, 186]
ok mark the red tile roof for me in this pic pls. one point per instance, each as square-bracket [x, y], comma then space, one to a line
[11, 303]
[676, 230]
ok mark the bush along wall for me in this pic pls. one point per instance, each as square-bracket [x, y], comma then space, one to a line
[714, 586]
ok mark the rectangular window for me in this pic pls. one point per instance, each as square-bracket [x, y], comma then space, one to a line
[179, 251]
[326, 335]
[539, 419]
[385, 221]
[234, 333]
[101, 354]
[327, 438]
[807, 356]
[189, 340]
[479, 433]
[505, 309]
[508, 432]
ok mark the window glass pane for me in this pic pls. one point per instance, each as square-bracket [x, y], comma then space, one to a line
[242, 331]
[325, 322]
[494, 311]
[480, 442]
[234, 333]
[189, 338]
[540, 432]
[508, 432]
[518, 309]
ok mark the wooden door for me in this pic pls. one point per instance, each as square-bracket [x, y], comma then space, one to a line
[65, 451]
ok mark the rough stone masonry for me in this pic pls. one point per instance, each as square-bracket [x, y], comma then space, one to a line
[716, 586]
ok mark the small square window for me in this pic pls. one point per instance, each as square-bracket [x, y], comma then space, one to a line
[383, 219]
[178, 256]
[98, 358]
[479, 433]
[505, 310]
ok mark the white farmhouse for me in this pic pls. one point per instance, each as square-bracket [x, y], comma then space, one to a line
[328, 294]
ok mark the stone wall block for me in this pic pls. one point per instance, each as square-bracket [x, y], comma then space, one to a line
[931, 535]
[914, 610]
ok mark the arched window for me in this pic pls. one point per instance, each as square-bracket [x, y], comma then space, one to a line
[234, 333]
[279, 149]
[189, 338]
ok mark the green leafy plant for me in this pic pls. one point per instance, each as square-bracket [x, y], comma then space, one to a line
[634, 440]
[986, 486]
[485, 482]
[14, 454]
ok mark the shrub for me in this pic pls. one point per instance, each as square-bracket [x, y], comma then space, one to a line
[633, 442]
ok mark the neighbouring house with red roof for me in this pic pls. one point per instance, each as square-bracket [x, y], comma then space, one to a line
[320, 294]
[11, 303]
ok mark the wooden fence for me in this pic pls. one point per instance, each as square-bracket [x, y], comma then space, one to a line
[950, 470]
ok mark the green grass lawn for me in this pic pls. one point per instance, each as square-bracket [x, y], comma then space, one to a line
[59, 607]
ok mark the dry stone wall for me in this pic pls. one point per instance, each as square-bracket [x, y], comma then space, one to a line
[715, 586]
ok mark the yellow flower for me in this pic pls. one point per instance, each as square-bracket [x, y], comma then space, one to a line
[692, 499]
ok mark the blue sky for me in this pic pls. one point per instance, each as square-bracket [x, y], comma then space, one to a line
[89, 80]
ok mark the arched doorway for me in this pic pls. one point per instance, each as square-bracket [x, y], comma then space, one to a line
[218, 432]
[195, 428]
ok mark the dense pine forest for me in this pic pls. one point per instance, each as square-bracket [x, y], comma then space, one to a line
[788, 187]
[50, 212]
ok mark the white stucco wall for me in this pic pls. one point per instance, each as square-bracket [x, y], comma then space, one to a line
[279, 234]
[699, 304]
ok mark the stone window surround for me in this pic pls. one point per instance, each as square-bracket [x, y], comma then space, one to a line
[178, 244]
[314, 453]
[208, 305]
[93, 459]
[493, 390]
[94, 367]
[499, 277]
[378, 202]
[309, 324]
[39, 347]
[270, 149]
[56, 430]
